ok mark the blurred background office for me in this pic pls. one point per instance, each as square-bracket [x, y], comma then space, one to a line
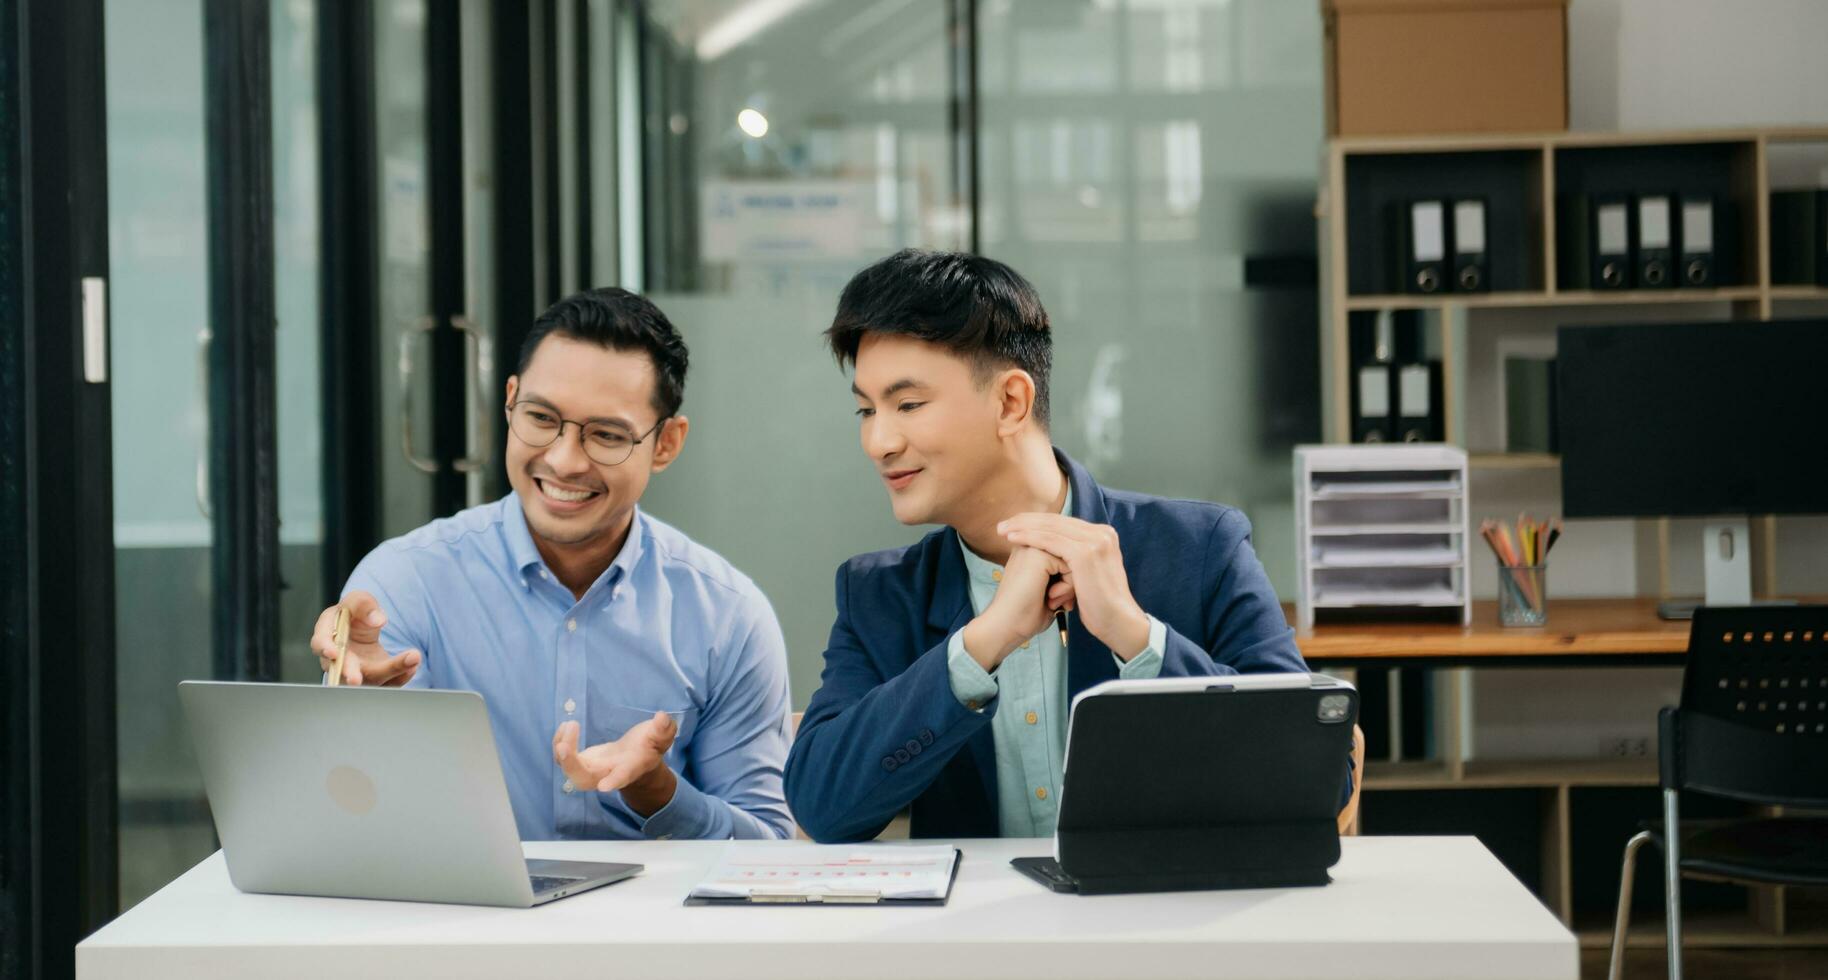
[320, 229]
[442, 171]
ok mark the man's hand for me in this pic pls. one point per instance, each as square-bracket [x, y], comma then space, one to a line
[634, 763]
[1094, 569]
[366, 663]
[1030, 594]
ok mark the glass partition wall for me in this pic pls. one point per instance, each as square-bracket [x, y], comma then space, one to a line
[1129, 158]
[738, 161]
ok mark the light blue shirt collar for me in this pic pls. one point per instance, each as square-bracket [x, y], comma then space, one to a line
[526, 555]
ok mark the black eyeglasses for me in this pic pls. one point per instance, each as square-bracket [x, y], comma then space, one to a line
[608, 443]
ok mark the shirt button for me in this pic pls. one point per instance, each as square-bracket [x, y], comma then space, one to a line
[1040, 792]
[971, 705]
[571, 706]
[1024, 644]
[996, 575]
[569, 788]
[571, 625]
[1030, 718]
[543, 574]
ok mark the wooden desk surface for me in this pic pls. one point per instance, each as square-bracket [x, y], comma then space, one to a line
[1598, 628]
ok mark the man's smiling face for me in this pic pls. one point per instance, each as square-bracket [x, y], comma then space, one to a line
[569, 498]
[928, 423]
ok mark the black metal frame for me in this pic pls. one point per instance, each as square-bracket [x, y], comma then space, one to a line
[669, 173]
[962, 111]
[586, 120]
[59, 876]
[18, 754]
[512, 92]
[243, 409]
[518, 96]
[347, 332]
[655, 264]
[444, 178]
[18, 853]
[547, 106]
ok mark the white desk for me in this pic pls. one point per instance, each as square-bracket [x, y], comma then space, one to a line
[1399, 907]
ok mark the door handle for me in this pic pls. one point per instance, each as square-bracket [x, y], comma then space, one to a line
[95, 329]
[485, 365]
[204, 337]
[421, 326]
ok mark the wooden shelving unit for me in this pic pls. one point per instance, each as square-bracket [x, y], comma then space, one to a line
[1513, 461]
[1538, 158]
[1544, 774]
[1815, 294]
[1741, 161]
[1586, 297]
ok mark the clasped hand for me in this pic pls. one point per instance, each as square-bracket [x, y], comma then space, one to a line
[1059, 563]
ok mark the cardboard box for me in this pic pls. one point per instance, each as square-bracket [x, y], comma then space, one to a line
[1413, 67]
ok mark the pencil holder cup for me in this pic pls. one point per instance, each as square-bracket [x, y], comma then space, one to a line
[1523, 595]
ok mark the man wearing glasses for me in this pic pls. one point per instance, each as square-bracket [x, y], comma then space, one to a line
[581, 620]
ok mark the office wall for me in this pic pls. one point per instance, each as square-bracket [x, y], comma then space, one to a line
[1671, 64]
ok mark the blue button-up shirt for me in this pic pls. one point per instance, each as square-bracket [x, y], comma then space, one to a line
[669, 626]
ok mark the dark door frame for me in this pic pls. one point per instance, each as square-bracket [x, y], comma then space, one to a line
[444, 181]
[243, 410]
[348, 289]
[59, 875]
[511, 95]
[349, 328]
[962, 111]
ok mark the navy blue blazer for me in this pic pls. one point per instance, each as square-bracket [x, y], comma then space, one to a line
[884, 730]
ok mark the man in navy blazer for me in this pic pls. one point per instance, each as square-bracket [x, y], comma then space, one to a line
[953, 661]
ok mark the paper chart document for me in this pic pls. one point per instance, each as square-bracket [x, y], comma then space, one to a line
[829, 874]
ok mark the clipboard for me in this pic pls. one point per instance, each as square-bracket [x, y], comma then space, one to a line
[764, 896]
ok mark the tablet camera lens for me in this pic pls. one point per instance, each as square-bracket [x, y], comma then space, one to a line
[1333, 709]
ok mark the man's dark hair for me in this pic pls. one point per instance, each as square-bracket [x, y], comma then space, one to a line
[619, 320]
[976, 307]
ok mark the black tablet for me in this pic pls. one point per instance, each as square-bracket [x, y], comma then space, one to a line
[1193, 783]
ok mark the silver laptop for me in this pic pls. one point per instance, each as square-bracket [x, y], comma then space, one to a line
[357, 792]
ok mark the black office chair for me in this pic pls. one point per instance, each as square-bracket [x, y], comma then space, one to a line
[1753, 727]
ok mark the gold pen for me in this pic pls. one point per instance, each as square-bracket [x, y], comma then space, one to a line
[341, 637]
